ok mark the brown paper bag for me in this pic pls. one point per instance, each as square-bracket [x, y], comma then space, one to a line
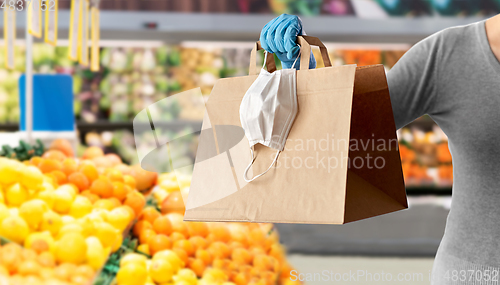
[340, 163]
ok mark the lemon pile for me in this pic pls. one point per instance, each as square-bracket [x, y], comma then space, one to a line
[21, 266]
[57, 220]
[164, 268]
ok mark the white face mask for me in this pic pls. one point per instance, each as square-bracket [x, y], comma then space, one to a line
[268, 110]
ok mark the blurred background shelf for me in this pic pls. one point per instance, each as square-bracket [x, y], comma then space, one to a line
[112, 126]
[175, 27]
[428, 190]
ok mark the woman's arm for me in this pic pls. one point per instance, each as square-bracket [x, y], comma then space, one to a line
[414, 80]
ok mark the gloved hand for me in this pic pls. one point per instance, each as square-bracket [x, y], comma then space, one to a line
[279, 36]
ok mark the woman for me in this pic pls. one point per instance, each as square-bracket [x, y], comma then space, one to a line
[453, 76]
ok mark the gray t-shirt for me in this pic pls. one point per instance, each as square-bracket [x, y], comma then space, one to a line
[455, 78]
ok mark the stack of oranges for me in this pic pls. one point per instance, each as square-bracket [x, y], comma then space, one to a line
[211, 253]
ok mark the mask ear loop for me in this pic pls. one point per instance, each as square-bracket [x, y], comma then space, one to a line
[300, 51]
[251, 163]
[265, 59]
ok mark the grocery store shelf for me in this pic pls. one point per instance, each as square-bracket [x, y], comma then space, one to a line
[9, 127]
[428, 190]
[176, 27]
[113, 126]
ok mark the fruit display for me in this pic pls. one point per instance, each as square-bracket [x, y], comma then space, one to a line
[425, 157]
[71, 212]
[361, 56]
[20, 266]
[22, 152]
[123, 143]
[171, 251]
[133, 78]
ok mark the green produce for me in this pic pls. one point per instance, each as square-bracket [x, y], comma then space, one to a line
[24, 151]
[174, 57]
[162, 56]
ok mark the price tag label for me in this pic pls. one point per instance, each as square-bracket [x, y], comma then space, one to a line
[35, 18]
[84, 35]
[9, 31]
[94, 34]
[74, 26]
[51, 22]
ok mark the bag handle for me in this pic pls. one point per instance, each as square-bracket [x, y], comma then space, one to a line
[271, 65]
[305, 43]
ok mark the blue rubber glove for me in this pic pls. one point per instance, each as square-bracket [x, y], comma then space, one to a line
[279, 36]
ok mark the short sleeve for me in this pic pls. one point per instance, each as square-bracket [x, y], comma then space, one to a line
[413, 81]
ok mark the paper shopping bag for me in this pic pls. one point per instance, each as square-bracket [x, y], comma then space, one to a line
[340, 163]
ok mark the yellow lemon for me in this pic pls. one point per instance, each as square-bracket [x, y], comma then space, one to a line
[133, 258]
[39, 238]
[32, 177]
[106, 234]
[51, 222]
[14, 228]
[214, 275]
[118, 242]
[80, 207]
[159, 193]
[4, 272]
[182, 282]
[187, 275]
[10, 171]
[67, 219]
[144, 248]
[14, 211]
[101, 213]
[96, 256]
[51, 180]
[119, 218]
[71, 248]
[88, 226]
[131, 274]
[161, 271]
[70, 228]
[170, 186]
[16, 194]
[70, 189]
[32, 212]
[2, 198]
[171, 257]
[4, 212]
[184, 181]
[46, 186]
[62, 201]
[28, 267]
[104, 204]
[47, 196]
